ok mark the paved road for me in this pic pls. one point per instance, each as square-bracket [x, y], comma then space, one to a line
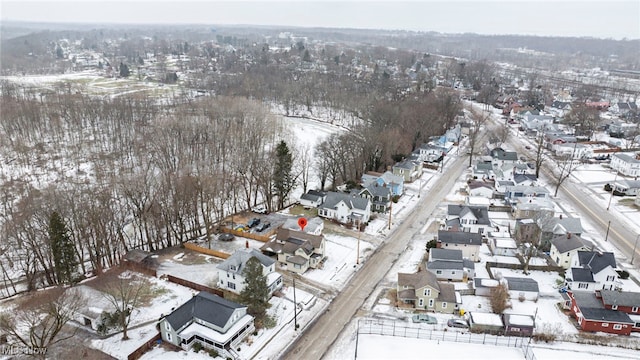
[620, 235]
[319, 336]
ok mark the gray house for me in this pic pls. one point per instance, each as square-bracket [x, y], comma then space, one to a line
[312, 199]
[468, 242]
[210, 320]
[449, 265]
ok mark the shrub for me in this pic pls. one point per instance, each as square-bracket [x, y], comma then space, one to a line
[213, 353]
[197, 347]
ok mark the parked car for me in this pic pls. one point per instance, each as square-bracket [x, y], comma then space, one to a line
[263, 226]
[424, 318]
[253, 222]
[457, 323]
[226, 237]
[259, 209]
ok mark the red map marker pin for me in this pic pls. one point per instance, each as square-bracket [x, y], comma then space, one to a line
[302, 222]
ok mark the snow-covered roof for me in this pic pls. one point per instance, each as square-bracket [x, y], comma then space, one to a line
[486, 319]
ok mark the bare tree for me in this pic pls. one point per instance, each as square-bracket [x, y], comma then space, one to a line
[539, 152]
[566, 164]
[40, 328]
[125, 295]
[478, 119]
[499, 299]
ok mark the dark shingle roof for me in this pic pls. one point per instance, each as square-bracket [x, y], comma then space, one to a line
[592, 309]
[582, 275]
[208, 307]
[353, 202]
[459, 237]
[565, 244]
[596, 261]
[620, 298]
[445, 265]
[479, 212]
[522, 284]
[239, 258]
[445, 254]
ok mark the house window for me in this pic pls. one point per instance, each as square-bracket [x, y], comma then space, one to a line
[605, 324]
[166, 326]
[614, 307]
[444, 305]
[430, 302]
[421, 302]
[427, 292]
[611, 278]
[617, 327]
[231, 285]
[634, 309]
[438, 272]
[583, 286]
[169, 337]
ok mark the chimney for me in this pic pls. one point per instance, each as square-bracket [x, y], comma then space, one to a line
[560, 216]
[568, 235]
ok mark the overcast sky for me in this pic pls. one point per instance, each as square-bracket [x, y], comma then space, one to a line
[602, 19]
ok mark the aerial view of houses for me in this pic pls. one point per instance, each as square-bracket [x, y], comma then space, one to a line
[299, 188]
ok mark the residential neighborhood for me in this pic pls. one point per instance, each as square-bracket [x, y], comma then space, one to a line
[284, 192]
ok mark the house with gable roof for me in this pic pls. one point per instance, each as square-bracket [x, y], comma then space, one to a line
[593, 316]
[592, 270]
[552, 226]
[387, 179]
[297, 250]
[468, 242]
[626, 301]
[425, 292]
[468, 218]
[480, 188]
[231, 271]
[345, 208]
[315, 225]
[409, 170]
[312, 198]
[625, 164]
[565, 247]
[449, 265]
[512, 193]
[380, 196]
[501, 157]
[207, 319]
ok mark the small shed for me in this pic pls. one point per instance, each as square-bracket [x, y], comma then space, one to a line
[518, 325]
[484, 286]
[486, 323]
[522, 288]
[503, 246]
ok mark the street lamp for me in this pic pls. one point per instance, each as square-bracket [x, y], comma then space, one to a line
[633, 254]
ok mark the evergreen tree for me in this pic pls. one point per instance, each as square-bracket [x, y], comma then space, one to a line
[306, 57]
[255, 293]
[283, 179]
[64, 255]
[124, 70]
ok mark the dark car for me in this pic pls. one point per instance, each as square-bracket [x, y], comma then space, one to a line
[263, 226]
[226, 237]
[253, 222]
[457, 323]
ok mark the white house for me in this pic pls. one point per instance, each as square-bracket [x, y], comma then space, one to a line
[480, 188]
[315, 225]
[345, 208]
[449, 265]
[592, 270]
[625, 164]
[565, 247]
[207, 319]
[231, 271]
[468, 218]
[312, 199]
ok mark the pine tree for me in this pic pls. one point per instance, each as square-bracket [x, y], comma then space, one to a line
[64, 255]
[124, 70]
[255, 293]
[283, 179]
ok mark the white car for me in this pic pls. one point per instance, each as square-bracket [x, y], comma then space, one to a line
[259, 209]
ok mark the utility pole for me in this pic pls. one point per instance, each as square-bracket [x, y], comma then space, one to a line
[633, 254]
[390, 211]
[295, 304]
[613, 187]
[607, 235]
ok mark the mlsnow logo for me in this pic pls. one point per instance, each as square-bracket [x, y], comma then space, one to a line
[21, 350]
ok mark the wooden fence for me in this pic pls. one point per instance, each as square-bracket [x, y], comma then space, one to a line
[137, 353]
[200, 249]
[262, 238]
[194, 286]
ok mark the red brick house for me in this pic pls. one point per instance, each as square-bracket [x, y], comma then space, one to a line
[592, 315]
